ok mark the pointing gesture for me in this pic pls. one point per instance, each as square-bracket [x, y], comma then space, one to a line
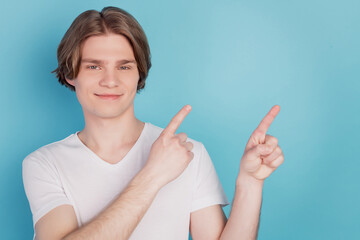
[258, 136]
[170, 154]
[262, 154]
[176, 121]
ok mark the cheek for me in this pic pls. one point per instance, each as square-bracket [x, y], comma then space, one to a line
[132, 80]
[81, 96]
[136, 75]
[84, 92]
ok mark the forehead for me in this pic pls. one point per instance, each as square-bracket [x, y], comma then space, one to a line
[107, 47]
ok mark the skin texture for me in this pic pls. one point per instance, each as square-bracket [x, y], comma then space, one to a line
[169, 157]
[110, 131]
[111, 128]
[262, 156]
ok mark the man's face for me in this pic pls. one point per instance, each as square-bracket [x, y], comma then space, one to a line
[107, 66]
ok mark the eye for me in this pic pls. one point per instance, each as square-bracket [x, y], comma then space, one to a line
[93, 67]
[125, 68]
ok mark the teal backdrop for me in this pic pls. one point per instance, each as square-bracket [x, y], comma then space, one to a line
[232, 61]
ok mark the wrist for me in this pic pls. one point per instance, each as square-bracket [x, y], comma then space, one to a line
[147, 176]
[247, 182]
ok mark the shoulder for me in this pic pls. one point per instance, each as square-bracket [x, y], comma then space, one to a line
[43, 154]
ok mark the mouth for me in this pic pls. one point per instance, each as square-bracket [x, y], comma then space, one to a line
[108, 96]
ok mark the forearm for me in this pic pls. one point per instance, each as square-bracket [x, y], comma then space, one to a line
[244, 217]
[120, 219]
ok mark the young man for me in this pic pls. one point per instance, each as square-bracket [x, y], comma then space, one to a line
[120, 178]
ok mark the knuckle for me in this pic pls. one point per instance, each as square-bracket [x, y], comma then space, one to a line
[185, 136]
[278, 150]
[179, 144]
[190, 155]
[164, 139]
[182, 136]
[278, 162]
[178, 139]
[272, 139]
[174, 141]
[188, 146]
[259, 148]
[264, 147]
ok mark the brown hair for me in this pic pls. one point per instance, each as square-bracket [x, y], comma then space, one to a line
[94, 23]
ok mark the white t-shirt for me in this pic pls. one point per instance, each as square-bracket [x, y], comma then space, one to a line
[68, 172]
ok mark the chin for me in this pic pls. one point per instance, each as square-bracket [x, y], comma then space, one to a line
[108, 114]
[106, 111]
[111, 112]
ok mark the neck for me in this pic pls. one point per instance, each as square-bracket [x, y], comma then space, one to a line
[110, 134]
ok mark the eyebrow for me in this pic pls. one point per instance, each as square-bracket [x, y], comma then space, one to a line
[95, 61]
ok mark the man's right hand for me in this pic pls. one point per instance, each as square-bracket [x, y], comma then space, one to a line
[170, 154]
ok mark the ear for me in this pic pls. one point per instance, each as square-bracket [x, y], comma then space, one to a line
[70, 81]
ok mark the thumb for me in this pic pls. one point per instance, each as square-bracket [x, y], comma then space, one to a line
[252, 158]
[263, 149]
[259, 150]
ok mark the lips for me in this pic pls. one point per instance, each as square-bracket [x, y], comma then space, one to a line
[108, 96]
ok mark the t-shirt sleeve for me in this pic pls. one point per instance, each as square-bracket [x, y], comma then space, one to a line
[208, 190]
[42, 186]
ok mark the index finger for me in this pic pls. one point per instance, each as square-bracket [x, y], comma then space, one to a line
[267, 120]
[177, 120]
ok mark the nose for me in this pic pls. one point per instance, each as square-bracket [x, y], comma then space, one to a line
[109, 79]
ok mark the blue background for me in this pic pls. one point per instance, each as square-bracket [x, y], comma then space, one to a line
[232, 61]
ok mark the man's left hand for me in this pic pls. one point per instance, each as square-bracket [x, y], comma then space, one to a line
[262, 154]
